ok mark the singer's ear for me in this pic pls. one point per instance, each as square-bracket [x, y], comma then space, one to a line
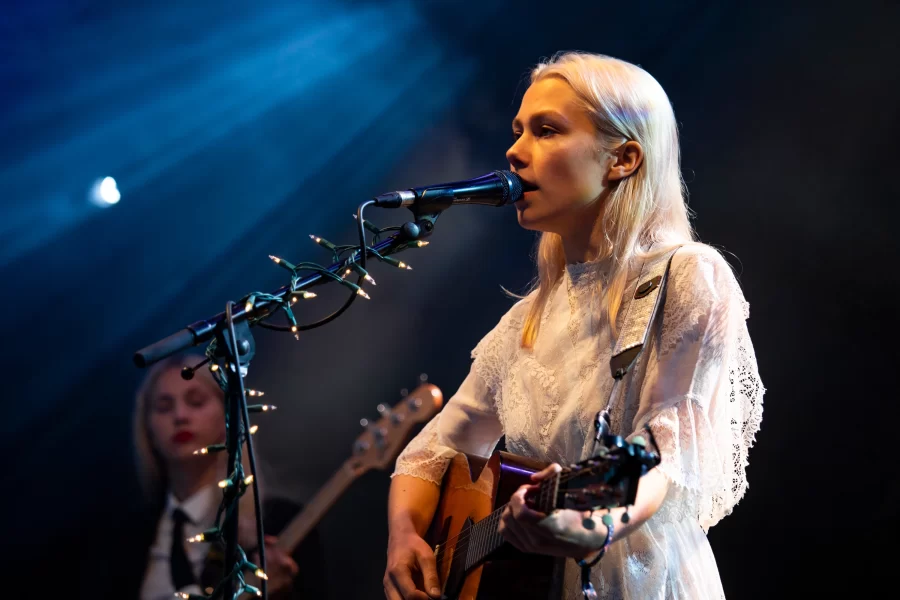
[625, 160]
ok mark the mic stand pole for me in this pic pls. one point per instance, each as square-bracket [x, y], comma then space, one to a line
[236, 344]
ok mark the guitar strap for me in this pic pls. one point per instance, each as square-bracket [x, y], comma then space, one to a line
[642, 305]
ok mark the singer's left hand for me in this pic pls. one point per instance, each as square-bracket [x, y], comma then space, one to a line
[560, 533]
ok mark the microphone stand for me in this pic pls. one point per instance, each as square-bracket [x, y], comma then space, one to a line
[236, 347]
[206, 329]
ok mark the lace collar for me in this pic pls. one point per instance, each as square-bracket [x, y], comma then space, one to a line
[588, 273]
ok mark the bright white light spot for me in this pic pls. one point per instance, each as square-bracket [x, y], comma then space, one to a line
[105, 192]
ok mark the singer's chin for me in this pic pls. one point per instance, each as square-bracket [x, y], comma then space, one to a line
[523, 214]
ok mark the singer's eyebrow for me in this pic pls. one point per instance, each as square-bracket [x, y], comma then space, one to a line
[540, 115]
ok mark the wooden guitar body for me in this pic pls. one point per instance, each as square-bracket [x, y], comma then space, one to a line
[472, 489]
[473, 560]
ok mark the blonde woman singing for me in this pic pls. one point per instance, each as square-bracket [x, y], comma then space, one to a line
[596, 138]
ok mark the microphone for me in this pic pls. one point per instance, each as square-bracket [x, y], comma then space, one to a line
[497, 188]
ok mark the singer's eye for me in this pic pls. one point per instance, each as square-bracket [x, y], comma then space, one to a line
[546, 132]
[516, 135]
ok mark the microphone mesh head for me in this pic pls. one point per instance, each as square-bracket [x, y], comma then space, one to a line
[512, 186]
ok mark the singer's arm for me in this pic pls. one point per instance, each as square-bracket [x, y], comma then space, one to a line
[468, 423]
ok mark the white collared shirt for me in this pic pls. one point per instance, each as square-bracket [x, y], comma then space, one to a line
[201, 511]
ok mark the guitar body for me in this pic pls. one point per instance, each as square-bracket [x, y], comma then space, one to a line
[471, 490]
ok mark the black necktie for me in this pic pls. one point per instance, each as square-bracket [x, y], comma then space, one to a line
[182, 573]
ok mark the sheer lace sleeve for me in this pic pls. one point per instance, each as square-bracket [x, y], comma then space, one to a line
[702, 394]
[469, 421]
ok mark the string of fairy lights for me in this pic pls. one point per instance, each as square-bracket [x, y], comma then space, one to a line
[349, 260]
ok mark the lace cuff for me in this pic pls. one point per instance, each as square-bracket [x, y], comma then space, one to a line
[424, 457]
[705, 449]
[690, 455]
[468, 423]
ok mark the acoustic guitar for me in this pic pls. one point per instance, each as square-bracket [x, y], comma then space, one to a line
[473, 560]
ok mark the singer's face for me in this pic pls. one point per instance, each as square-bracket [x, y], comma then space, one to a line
[557, 149]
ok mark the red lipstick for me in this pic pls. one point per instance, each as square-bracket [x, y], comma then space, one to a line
[182, 437]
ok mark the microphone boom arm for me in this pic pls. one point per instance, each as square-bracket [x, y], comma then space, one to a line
[206, 329]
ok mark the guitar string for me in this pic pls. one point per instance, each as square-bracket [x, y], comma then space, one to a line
[462, 537]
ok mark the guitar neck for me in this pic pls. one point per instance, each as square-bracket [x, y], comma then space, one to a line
[484, 539]
[297, 530]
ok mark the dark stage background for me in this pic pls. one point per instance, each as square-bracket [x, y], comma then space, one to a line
[234, 130]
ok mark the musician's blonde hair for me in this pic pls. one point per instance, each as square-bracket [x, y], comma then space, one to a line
[624, 103]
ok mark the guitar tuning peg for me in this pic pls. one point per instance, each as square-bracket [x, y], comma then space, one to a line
[423, 377]
[377, 432]
[414, 403]
[404, 393]
[385, 411]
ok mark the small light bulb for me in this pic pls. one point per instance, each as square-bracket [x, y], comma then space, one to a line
[422, 244]
[363, 293]
[316, 239]
[214, 368]
[251, 392]
[370, 279]
[182, 595]
[308, 295]
[248, 479]
[403, 265]
[197, 538]
[254, 429]
[261, 574]
[275, 258]
[202, 451]
[224, 483]
[248, 307]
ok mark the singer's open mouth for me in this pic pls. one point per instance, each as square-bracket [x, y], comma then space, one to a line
[527, 186]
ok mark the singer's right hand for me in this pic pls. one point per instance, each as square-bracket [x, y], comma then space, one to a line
[409, 560]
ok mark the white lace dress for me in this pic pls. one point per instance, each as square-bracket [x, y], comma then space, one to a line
[697, 386]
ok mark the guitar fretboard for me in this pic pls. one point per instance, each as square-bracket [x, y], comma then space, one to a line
[483, 536]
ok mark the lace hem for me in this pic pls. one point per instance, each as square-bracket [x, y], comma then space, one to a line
[709, 461]
[424, 457]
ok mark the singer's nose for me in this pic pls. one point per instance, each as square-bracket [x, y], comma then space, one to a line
[515, 157]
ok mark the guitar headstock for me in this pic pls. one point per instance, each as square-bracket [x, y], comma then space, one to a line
[607, 480]
[383, 440]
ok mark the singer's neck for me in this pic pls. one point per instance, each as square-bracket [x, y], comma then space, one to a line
[583, 240]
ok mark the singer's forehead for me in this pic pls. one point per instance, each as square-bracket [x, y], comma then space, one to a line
[549, 98]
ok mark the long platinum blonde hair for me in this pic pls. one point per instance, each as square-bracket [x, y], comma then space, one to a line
[642, 210]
